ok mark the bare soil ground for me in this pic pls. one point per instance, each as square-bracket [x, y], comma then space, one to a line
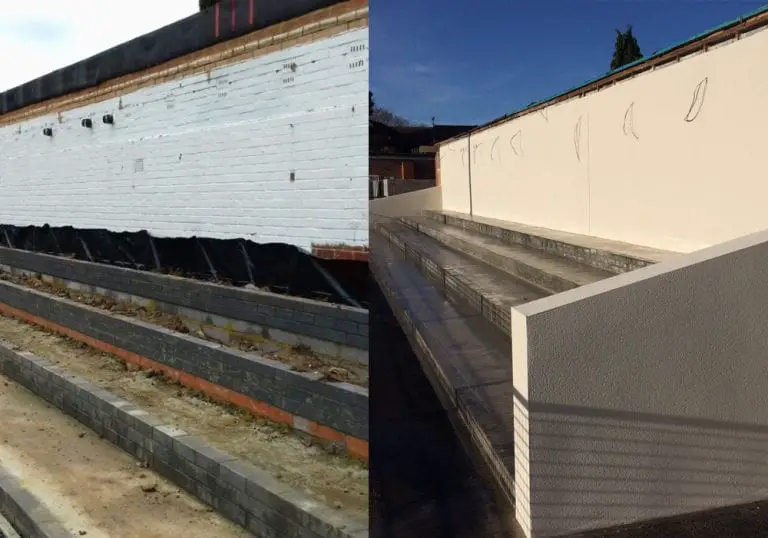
[299, 358]
[338, 481]
[92, 487]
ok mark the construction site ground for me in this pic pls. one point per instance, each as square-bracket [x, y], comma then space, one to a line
[337, 481]
[91, 487]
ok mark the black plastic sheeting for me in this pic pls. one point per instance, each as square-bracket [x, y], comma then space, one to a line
[278, 268]
[177, 39]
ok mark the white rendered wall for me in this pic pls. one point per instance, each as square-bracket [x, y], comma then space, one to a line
[209, 156]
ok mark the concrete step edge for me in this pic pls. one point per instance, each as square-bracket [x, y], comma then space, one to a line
[486, 463]
[603, 259]
[529, 273]
[496, 314]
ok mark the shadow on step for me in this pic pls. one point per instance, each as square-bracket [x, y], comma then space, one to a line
[422, 482]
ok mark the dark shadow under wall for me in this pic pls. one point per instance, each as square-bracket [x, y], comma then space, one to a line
[278, 268]
[422, 482]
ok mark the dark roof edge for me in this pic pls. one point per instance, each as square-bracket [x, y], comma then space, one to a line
[755, 18]
[191, 34]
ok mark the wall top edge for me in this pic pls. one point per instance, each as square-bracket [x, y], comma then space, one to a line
[684, 261]
[754, 20]
[198, 32]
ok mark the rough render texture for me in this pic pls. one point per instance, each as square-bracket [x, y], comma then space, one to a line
[271, 148]
[618, 163]
[644, 395]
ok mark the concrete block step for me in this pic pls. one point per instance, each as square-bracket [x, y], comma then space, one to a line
[462, 280]
[466, 360]
[548, 272]
[604, 254]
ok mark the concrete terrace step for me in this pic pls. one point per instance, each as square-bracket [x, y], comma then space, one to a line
[549, 272]
[465, 358]
[605, 254]
[463, 280]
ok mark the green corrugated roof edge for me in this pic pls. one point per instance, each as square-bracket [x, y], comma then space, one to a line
[661, 52]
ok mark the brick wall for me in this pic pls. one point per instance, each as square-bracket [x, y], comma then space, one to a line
[267, 144]
[333, 412]
[402, 167]
[241, 492]
[314, 320]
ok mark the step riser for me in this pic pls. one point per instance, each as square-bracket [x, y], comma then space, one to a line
[456, 290]
[599, 259]
[550, 283]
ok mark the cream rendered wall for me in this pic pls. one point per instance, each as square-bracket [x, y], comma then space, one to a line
[406, 205]
[454, 164]
[630, 162]
[210, 156]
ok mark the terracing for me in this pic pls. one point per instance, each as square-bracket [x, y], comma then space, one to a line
[453, 280]
[603, 383]
[598, 383]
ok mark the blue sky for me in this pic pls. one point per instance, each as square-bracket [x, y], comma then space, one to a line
[471, 61]
[56, 33]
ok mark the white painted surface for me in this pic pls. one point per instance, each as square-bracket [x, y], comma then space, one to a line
[209, 157]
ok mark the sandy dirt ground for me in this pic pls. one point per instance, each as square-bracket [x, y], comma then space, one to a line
[6, 530]
[337, 481]
[93, 488]
[299, 358]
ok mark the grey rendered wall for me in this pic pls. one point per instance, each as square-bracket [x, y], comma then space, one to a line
[646, 394]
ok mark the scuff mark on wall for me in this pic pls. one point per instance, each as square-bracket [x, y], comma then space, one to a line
[697, 101]
[493, 146]
[516, 142]
[628, 127]
[577, 138]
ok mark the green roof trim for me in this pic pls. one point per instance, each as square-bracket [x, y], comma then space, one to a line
[642, 60]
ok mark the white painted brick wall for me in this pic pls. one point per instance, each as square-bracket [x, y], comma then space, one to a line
[209, 157]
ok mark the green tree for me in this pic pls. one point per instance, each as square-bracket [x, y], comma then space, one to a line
[205, 4]
[626, 50]
[387, 117]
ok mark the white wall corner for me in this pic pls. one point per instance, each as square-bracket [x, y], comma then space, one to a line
[519, 331]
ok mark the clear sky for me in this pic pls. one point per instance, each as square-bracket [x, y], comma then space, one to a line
[471, 61]
[40, 36]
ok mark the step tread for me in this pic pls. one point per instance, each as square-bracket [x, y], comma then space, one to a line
[639, 252]
[495, 285]
[467, 352]
[565, 268]
[469, 349]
